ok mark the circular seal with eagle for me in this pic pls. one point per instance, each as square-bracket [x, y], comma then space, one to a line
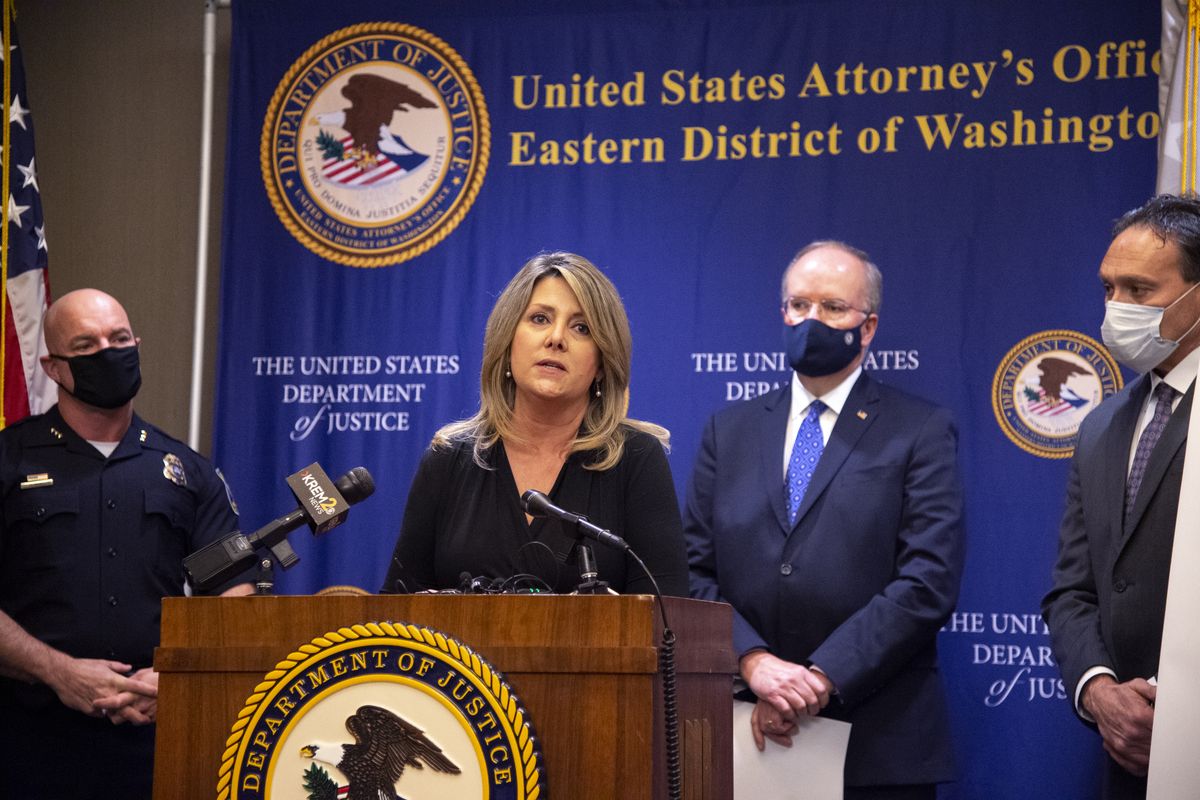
[1045, 386]
[382, 711]
[375, 144]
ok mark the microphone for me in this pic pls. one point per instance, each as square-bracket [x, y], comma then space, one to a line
[323, 506]
[538, 505]
[326, 504]
[470, 584]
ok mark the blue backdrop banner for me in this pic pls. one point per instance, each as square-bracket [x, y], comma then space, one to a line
[392, 164]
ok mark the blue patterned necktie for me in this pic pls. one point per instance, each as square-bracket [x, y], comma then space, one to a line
[805, 454]
[1164, 395]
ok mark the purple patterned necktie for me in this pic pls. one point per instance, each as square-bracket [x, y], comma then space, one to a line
[1164, 395]
[805, 454]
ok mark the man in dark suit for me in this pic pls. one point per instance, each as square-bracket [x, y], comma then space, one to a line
[829, 515]
[1105, 611]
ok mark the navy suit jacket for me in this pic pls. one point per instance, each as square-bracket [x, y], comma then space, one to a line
[1110, 581]
[860, 585]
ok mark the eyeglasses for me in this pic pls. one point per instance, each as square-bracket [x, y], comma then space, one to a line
[797, 309]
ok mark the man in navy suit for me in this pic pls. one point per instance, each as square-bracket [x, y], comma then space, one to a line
[829, 515]
[1105, 611]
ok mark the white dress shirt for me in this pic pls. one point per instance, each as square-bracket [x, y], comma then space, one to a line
[834, 399]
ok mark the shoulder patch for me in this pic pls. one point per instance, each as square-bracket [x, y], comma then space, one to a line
[228, 492]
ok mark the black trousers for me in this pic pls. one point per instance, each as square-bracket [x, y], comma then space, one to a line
[920, 791]
[1119, 784]
[54, 753]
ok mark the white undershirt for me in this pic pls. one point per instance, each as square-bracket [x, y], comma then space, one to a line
[104, 447]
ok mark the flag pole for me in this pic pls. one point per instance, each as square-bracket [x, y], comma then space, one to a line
[8, 12]
[206, 124]
[1187, 167]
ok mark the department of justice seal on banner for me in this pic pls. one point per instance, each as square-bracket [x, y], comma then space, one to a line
[1046, 385]
[375, 144]
[382, 710]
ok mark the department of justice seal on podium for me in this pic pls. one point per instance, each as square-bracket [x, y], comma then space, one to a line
[1046, 385]
[375, 144]
[382, 710]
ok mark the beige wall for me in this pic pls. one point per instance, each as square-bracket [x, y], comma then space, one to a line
[115, 87]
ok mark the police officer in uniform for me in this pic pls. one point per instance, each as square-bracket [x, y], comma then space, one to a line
[97, 510]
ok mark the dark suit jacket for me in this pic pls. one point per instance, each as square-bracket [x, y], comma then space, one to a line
[1110, 581]
[862, 582]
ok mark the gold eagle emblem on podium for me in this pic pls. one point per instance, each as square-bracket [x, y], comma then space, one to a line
[384, 746]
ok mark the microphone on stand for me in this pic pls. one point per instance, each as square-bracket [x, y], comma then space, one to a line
[324, 504]
[538, 505]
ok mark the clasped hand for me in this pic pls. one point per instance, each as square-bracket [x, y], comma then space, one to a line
[785, 692]
[1125, 716]
[102, 688]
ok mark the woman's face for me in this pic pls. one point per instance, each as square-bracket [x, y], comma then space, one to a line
[553, 356]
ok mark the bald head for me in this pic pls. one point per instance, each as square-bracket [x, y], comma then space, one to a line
[84, 321]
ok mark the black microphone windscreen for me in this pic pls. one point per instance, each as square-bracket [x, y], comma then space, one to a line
[534, 502]
[356, 485]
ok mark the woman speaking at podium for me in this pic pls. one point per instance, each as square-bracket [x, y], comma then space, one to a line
[553, 399]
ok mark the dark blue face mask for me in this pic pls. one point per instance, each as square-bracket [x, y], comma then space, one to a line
[815, 349]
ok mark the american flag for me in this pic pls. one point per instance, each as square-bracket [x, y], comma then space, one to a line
[24, 277]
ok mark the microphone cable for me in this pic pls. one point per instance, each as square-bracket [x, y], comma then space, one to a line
[666, 667]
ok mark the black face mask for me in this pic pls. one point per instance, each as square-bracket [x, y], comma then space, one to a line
[815, 349]
[107, 378]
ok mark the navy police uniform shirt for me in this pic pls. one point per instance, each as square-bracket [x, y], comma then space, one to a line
[90, 545]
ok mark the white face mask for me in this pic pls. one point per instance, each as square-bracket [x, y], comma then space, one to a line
[1132, 333]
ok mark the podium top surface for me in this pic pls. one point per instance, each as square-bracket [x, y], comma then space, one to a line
[539, 633]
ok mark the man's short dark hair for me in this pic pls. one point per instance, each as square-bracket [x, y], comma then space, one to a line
[1173, 218]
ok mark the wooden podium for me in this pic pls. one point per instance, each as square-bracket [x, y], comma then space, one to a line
[585, 667]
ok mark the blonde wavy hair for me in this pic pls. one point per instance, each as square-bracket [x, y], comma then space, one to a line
[605, 424]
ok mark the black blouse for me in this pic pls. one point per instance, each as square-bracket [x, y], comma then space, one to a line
[461, 518]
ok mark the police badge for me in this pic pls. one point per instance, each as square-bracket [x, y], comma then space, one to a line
[173, 470]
